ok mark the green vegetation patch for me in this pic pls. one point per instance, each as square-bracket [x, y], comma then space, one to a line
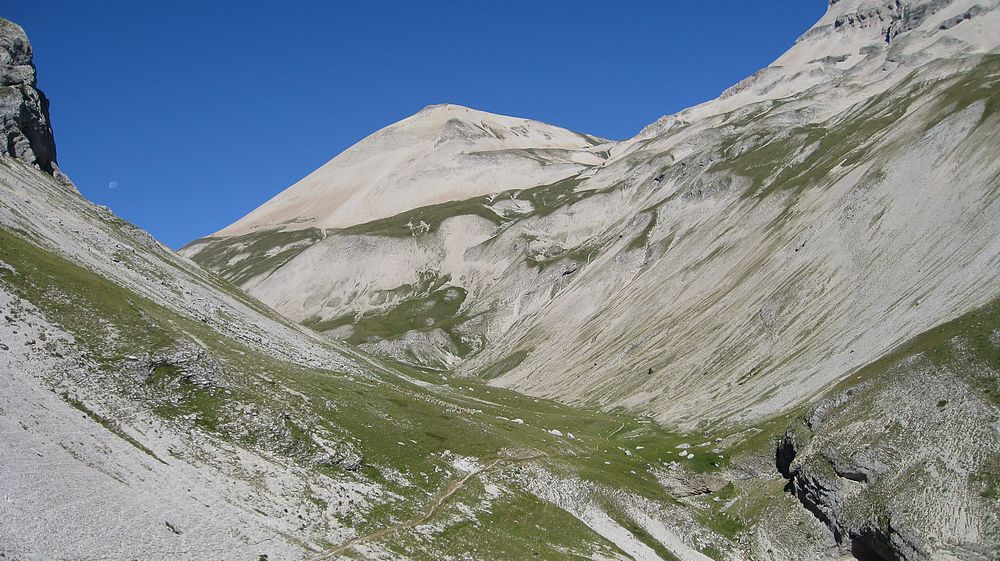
[840, 143]
[107, 319]
[638, 532]
[517, 526]
[982, 83]
[241, 258]
[504, 365]
[969, 343]
[116, 326]
[631, 451]
[207, 405]
[408, 223]
[428, 304]
[580, 255]
[775, 161]
[544, 199]
[987, 478]
[640, 241]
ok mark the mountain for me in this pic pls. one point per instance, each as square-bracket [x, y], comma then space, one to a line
[150, 410]
[728, 262]
[443, 153]
[770, 325]
[735, 263]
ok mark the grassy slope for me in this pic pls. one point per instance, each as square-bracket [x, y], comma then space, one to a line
[847, 140]
[461, 416]
[429, 304]
[416, 308]
[245, 257]
[394, 424]
[968, 346]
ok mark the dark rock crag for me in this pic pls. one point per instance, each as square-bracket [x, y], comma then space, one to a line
[24, 110]
[901, 467]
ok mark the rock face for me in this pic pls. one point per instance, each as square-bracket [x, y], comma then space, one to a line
[903, 464]
[24, 110]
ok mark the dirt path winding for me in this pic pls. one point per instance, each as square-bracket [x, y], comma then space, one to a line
[617, 430]
[443, 495]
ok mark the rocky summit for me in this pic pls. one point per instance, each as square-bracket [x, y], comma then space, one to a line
[767, 327]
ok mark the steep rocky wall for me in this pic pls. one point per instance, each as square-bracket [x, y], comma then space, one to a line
[24, 110]
[903, 464]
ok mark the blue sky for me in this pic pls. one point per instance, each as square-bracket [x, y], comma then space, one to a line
[183, 116]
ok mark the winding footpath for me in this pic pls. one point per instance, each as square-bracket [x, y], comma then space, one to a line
[443, 495]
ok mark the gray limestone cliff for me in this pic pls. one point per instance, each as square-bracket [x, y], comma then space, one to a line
[24, 110]
[902, 464]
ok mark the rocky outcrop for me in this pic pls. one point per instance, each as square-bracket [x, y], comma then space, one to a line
[902, 465]
[889, 17]
[24, 110]
[892, 18]
[824, 496]
[188, 363]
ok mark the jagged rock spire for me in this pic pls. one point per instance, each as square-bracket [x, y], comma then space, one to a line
[25, 127]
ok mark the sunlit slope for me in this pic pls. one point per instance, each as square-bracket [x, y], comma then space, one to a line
[728, 262]
[137, 388]
[787, 257]
[443, 153]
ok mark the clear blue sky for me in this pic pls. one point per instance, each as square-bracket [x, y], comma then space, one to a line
[183, 116]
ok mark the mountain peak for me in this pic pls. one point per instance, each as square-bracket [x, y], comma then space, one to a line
[436, 107]
[24, 109]
[442, 153]
[861, 42]
[444, 112]
[885, 20]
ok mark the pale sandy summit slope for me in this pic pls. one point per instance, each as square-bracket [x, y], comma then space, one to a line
[443, 153]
